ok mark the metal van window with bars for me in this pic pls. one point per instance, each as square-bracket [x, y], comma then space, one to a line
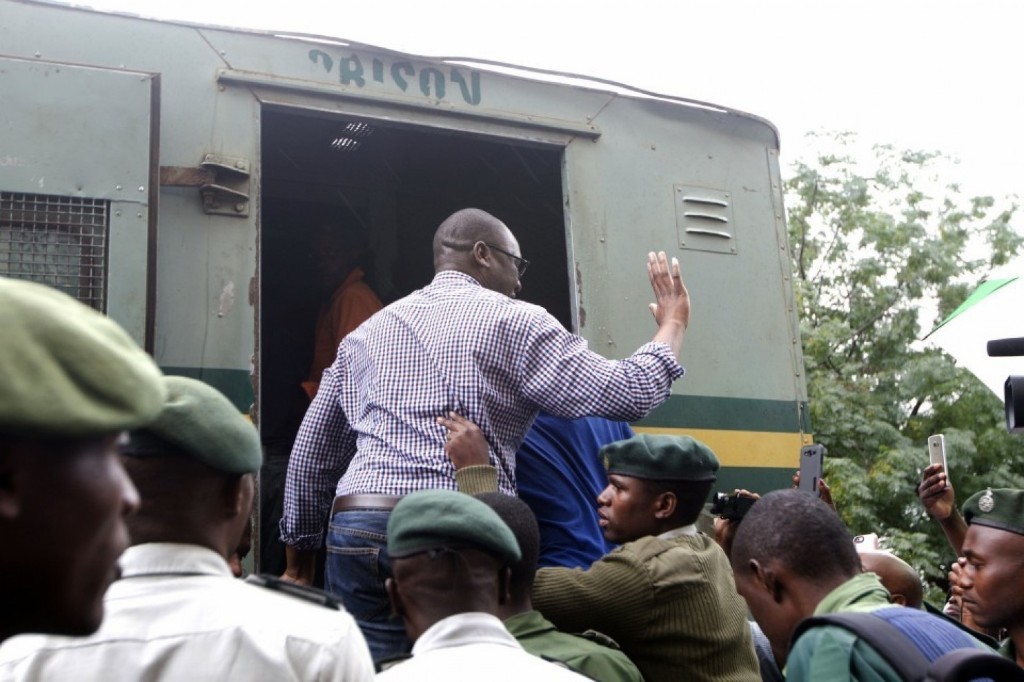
[56, 240]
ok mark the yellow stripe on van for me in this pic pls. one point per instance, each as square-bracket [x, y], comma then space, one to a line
[745, 448]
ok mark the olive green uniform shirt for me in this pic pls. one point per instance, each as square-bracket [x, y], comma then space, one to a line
[1007, 650]
[539, 636]
[835, 653]
[669, 601]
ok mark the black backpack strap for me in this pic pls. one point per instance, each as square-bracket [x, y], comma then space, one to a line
[961, 665]
[891, 644]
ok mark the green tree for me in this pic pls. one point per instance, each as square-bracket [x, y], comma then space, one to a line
[882, 250]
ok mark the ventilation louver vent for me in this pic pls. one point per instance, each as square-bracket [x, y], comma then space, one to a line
[704, 219]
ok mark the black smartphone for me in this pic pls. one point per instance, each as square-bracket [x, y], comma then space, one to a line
[812, 458]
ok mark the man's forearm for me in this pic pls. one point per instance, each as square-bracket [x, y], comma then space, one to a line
[300, 565]
[670, 333]
[955, 529]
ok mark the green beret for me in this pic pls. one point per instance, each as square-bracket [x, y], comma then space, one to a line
[1001, 508]
[662, 458]
[68, 371]
[200, 422]
[435, 519]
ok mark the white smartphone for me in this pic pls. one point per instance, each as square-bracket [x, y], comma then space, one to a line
[937, 451]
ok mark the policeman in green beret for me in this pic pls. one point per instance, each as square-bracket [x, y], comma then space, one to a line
[71, 382]
[450, 555]
[992, 565]
[666, 595]
[177, 612]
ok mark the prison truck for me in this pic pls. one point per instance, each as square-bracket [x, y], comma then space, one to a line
[164, 173]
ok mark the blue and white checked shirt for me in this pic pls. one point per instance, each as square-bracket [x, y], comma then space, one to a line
[451, 346]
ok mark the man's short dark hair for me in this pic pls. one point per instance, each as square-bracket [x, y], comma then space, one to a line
[799, 531]
[518, 516]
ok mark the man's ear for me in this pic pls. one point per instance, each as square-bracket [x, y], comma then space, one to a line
[768, 579]
[898, 599]
[237, 495]
[397, 607]
[482, 254]
[504, 586]
[665, 505]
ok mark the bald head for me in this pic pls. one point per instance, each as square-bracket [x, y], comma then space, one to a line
[902, 581]
[476, 243]
[466, 227]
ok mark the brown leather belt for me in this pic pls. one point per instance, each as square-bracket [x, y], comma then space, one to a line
[348, 502]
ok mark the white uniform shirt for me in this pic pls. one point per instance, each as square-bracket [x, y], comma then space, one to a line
[473, 647]
[177, 613]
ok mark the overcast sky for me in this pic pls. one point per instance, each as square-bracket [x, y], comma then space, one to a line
[928, 75]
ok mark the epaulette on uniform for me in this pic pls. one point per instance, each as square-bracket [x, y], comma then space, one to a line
[599, 638]
[309, 594]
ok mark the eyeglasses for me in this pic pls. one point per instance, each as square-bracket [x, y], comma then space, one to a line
[521, 263]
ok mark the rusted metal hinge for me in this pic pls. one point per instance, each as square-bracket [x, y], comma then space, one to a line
[223, 183]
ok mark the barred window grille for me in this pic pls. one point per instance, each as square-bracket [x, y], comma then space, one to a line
[56, 240]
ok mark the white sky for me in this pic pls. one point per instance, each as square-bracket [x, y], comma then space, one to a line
[925, 75]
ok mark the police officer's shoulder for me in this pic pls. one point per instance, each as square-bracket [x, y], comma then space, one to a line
[307, 595]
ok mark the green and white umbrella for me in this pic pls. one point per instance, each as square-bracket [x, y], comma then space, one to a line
[994, 311]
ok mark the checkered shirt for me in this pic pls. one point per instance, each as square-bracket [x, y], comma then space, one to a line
[451, 346]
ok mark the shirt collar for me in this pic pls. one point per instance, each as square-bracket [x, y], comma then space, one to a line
[464, 628]
[863, 587]
[454, 277]
[169, 558]
[528, 624]
[690, 529]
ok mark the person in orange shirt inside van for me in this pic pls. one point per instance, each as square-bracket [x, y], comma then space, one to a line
[338, 252]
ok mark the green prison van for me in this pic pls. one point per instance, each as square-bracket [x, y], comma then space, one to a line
[166, 173]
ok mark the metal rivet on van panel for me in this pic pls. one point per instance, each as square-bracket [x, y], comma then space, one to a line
[141, 188]
[118, 188]
[239, 207]
[138, 215]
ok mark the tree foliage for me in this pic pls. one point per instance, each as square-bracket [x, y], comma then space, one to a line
[882, 250]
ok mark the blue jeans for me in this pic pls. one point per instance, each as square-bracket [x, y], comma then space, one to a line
[357, 565]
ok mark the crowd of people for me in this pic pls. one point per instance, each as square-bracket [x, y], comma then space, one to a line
[486, 509]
